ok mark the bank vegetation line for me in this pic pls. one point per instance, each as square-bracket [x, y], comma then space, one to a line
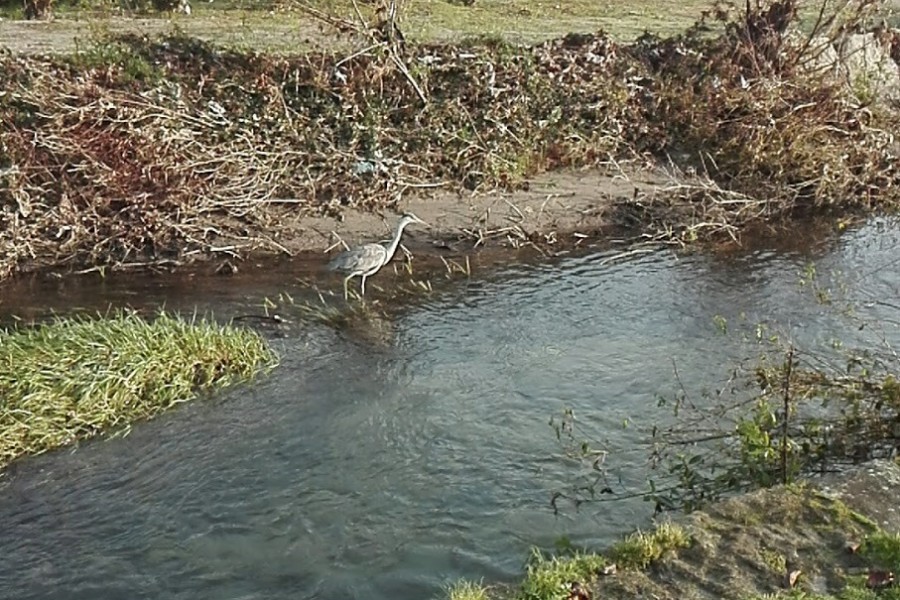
[74, 378]
[137, 150]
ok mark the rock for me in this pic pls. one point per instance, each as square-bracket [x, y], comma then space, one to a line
[871, 72]
[863, 61]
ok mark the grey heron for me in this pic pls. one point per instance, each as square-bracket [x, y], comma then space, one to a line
[367, 260]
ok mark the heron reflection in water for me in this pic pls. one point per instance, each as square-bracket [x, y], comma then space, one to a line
[367, 260]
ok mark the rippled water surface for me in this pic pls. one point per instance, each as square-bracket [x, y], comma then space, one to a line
[384, 466]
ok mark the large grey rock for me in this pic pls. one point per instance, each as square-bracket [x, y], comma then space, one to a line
[863, 61]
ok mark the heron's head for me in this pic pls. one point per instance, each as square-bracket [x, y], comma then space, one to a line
[409, 218]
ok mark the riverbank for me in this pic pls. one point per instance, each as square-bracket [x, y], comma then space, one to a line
[115, 157]
[832, 537]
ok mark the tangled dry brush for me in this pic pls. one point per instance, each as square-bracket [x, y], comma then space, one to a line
[139, 151]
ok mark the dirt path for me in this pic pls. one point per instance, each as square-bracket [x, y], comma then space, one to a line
[258, 29]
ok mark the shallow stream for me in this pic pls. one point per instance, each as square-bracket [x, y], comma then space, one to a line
[382, 467]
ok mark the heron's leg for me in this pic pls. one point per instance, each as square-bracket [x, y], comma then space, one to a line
[362, 286]
[347, 289]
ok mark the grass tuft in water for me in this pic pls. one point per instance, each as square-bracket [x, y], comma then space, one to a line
[76, 377]
[640, 549]
[326, 311]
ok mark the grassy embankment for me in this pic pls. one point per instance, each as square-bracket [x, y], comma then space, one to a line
[787, 542]
[549, 578]
[74, 378]
[135, 150]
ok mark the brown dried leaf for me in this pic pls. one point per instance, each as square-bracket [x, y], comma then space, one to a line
[577, 591]
[879, 580]
[791, 578]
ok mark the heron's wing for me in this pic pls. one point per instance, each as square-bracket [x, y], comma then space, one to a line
[359, 260]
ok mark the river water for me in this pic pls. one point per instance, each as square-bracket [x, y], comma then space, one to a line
[382, 467]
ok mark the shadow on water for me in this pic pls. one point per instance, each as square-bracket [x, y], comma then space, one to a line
[409, 447]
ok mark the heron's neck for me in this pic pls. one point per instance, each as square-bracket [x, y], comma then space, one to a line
[392, 248]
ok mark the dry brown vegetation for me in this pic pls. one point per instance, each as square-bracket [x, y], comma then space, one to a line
[145, 150]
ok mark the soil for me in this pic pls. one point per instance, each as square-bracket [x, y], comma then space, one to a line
[562, 208]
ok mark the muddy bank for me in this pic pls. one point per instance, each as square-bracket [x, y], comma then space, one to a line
[555, 212]
[749, 545]
[560, 209]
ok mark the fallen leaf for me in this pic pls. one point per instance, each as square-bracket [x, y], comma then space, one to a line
[879, 580]
[791, 578]
[578, 592]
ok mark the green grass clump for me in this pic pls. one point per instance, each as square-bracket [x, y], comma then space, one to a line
[860, 592]
[883, 549]
[640, 549]
[76, 377]
[122, 64]
[467, 590]
[549, 578]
